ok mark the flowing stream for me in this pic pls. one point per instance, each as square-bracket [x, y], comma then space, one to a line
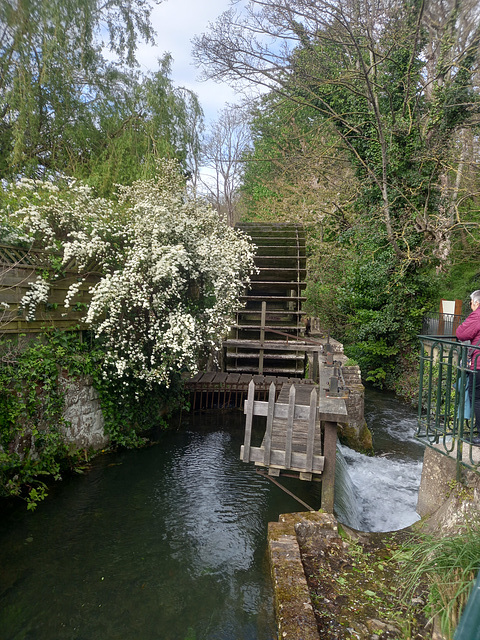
[382, 490]
[169, 542]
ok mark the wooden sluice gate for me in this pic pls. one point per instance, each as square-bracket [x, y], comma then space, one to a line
[210, 390]
[300, 437]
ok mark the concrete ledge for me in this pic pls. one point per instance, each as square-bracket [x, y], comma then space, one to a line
[445, 505]
[293, 608]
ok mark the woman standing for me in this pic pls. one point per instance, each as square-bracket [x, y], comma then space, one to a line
[470, 330]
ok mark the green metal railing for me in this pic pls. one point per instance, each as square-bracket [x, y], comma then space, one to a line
[469, 625]
[445, 406]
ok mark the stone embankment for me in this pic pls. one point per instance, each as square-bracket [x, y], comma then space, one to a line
[83, 414]
[334, 583]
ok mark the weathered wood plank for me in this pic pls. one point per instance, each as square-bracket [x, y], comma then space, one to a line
[248, 423]
[330, 451]
[207, 378]
[221, 378]
[311, 429]
[289, 431]
[277, 459]
[333, 409]
[195, 379]
[267, 441]
[293, 345]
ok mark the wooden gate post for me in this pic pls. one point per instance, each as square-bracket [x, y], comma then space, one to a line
[328, 477]
[263, 320]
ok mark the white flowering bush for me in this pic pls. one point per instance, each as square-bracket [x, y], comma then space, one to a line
[171, 270]
[38, 293]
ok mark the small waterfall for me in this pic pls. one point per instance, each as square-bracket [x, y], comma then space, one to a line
[379, 493]
[346, 499]
[385, 490]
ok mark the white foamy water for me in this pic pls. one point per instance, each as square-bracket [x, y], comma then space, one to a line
[386, 490]
[385, 485]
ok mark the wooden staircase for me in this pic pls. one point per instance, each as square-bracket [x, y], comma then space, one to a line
[264, 337]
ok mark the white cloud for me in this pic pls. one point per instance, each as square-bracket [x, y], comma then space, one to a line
[176, 23]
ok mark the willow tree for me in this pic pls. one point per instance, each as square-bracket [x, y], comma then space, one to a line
[51, 65]
[66, 108]
[139, 119]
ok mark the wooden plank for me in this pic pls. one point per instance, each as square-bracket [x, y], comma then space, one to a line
[311, 429]
[207, 378]
[299, 439]
[267, 441]
[248, 424]
[259, 381]
[335, 412]
[195, 379]
[244, 381]
[14, 277]
[305, 476]
[330, 452]
[290, 417]
[304, 392]
[295, 344]
[277, 459]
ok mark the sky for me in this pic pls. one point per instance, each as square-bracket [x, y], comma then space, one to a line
[176, 23]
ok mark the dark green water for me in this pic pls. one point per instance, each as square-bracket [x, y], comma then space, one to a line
[164, 543]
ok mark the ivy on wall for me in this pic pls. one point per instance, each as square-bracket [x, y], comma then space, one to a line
[32, 445]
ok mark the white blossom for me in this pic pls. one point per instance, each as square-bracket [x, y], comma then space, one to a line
[38, 293]
[172, 270]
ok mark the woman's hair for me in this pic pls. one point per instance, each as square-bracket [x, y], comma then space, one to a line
[475, 296]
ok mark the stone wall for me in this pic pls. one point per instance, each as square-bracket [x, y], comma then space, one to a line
[443, 503]
[83, 413]
[355, 432]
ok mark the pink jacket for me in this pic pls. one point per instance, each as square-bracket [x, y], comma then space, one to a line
[470, 330]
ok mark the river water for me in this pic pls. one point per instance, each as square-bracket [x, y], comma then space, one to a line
[169, 542]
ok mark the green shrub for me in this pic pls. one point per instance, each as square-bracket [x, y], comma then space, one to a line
[447, 568]
[32, 444]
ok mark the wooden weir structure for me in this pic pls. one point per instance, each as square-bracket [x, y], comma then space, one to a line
[264, 361]
[216, 389]
[300, 437]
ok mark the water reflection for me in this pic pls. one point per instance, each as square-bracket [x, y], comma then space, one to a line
[168, 542]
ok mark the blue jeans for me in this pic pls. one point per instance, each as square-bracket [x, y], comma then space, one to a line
[475, 384]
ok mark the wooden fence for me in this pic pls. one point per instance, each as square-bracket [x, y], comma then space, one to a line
[20, 267]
